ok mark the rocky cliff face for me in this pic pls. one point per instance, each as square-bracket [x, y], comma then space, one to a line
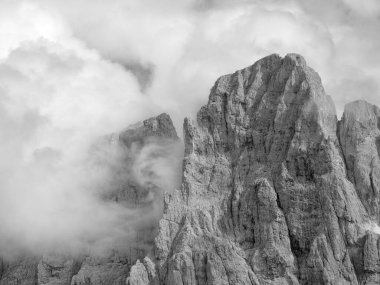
[274, 191]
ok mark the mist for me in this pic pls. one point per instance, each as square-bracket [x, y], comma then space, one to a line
[58, 98]
[58, 203]
[67, 81]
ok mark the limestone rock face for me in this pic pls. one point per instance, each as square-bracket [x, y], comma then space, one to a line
[359, 133]
[269, 195]
[99, 272]
[57, 269]
[143, 273]
[19, 271]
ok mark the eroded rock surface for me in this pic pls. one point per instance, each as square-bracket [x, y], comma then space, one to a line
[359, 133]
[268, 196]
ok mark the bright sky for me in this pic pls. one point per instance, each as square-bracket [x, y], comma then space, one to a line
[145, 56]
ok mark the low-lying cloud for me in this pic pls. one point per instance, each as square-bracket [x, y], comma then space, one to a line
[57, 98]
[98, 202]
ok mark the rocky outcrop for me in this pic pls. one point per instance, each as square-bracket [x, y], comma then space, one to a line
[141, 192]
[143, 273]
[270, 194]
[160, 127]
[19, 271]
[56, 269]
[359, 133]
[159, 136]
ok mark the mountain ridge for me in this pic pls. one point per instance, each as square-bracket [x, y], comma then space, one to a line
[265, 199]
[275, 190]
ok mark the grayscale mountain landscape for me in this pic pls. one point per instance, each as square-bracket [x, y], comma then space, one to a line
[191, 142]
[271, 188]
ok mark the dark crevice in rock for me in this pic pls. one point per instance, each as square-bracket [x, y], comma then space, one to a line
[378, 145]
[211, 177]
[200, 272]
[225, 117]
[76, 267]
[340, 146]
[377, 112]
[279, 205]
[372, 183]
[297, 250]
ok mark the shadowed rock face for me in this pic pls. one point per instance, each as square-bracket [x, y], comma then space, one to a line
[274, 191]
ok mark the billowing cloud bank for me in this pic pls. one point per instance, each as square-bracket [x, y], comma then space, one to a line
[72, 71]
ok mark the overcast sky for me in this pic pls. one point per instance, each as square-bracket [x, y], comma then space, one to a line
[123, 60]
[72, 70]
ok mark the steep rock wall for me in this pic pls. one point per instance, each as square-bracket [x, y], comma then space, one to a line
[268, 196]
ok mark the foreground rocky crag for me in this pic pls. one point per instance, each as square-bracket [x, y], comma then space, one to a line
[274, 190]
[159, 136]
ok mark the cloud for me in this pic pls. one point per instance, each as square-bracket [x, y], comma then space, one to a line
[57, 97]
[71, 71]
[191, 43]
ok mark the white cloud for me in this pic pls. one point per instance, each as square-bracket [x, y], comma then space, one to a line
[190, 43]
[64, 77]
[56, 97]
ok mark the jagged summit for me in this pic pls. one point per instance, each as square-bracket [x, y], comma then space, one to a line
[271, 92]
[267, 196]
[160, 126]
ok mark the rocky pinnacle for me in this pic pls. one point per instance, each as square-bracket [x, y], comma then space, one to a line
[274, 190]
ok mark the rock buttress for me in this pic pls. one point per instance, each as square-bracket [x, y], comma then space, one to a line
[359, 134]
[265, 197]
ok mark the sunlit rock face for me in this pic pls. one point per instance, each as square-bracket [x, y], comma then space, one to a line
[273, 192]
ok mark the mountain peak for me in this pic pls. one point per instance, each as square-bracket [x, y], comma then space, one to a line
[268, 196]
[297, 59]
[154, 127]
